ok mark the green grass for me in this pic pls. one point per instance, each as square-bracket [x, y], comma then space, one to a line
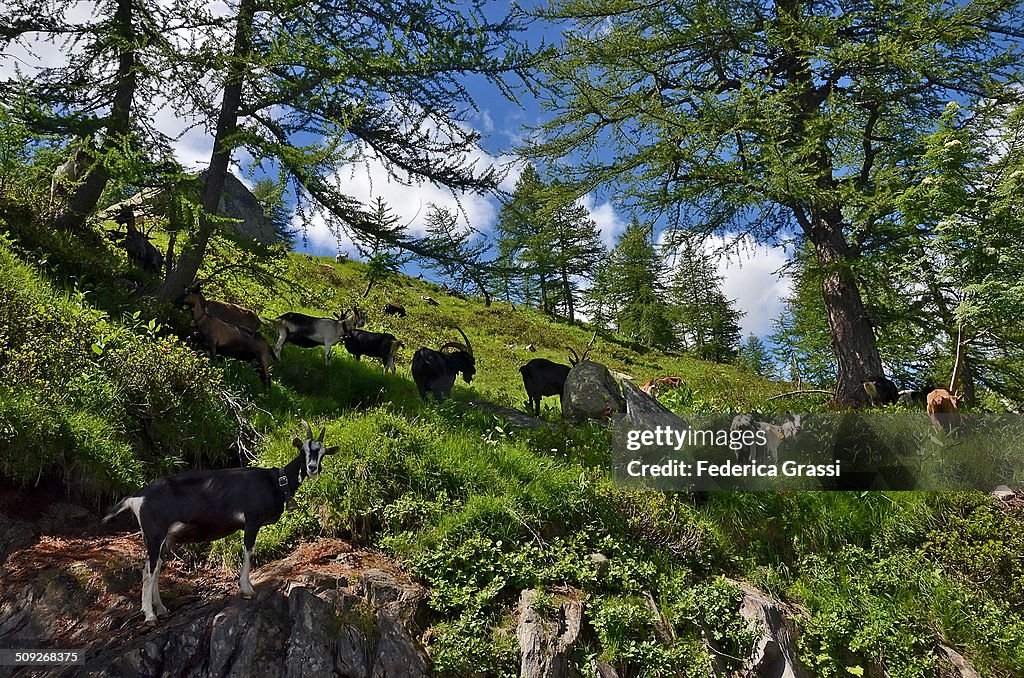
[93, 393]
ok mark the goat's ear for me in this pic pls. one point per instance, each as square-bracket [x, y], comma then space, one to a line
[331, 450]
[297, 443]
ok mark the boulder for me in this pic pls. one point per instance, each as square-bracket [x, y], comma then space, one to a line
[1003, 493]
[957, 663]
[645, 412]
[774, 654]
[591, 392]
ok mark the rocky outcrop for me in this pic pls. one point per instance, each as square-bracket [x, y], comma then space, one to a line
[774, 654]
[591, 392]
[323, 610]
[546, 639]
[237, 202]
[644, 412]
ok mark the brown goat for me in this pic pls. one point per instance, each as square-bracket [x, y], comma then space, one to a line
[233, 314]
[227, 339]
[654, 386]
[944, 409]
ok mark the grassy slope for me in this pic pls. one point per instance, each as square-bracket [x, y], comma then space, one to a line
[478, 512]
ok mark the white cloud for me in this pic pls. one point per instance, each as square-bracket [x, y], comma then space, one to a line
[750, 277]
[608, 221]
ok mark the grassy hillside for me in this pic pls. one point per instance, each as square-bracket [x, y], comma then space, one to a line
[475, 510]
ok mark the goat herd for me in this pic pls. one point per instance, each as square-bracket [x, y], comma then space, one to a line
[200, 506]
[233, 331]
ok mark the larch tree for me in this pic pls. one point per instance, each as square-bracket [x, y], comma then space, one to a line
[707, 321]
[770, 117]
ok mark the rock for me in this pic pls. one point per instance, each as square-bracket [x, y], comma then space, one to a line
[600, 669]
[14, 536]
[512, 418]
[1003, 493]
[960, 666]
[237, 202]
[304, 621]
[600, 562]
[545, 644]
[591, 393]
[774, 654]
[645, 412]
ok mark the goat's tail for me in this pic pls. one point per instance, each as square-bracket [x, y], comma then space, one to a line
[122, 506]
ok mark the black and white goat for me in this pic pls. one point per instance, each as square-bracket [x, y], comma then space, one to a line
[201, 506]
[771, 434]
[70, 172]
[380, 345]
[435, 371]
[307, 331]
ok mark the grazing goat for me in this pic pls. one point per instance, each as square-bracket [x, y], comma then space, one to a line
[435, 371]
[880, 391]
[430, 301]
[773, 437]
[340, 258]
[70, 172]
[944, 409]
[380, 345]
[394, 309]
[307, 331]
[227, 339]
[201, 506]
[654, 386]
[233, 314]
[543, 377]
[137, 245]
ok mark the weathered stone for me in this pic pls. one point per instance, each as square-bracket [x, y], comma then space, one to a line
[591, 393]
[600, 669]
[545, 644]
[600, 562]
[959, 664]
[774, 654]
[1003, 493]
[644, 412]
[237, 202]
[14, 535]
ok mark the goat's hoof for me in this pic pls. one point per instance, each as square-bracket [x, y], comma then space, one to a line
[151, 623]
[248, 596]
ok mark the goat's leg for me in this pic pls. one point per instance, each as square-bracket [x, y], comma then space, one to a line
[243, 579]
[149, 574]
[281, 337]
[327, 353]
[158, 605]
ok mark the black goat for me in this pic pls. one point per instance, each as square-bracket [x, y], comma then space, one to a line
[201, 506]
[435, 371]
[380, 345]
[543, 377]
[138, 247]
[394, 309]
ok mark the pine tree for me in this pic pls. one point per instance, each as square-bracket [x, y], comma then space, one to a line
[754, 357]
[707, 323]
[526, 243]
[639, 296]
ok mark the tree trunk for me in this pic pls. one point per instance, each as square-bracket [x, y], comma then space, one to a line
[853, 337]
[190, 259]
[567, 291]
[83, 200]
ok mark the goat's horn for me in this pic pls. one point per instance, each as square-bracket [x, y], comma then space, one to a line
[457, 346]
[322, 432]
[469, 347]
[575, 357]
[309, 431]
